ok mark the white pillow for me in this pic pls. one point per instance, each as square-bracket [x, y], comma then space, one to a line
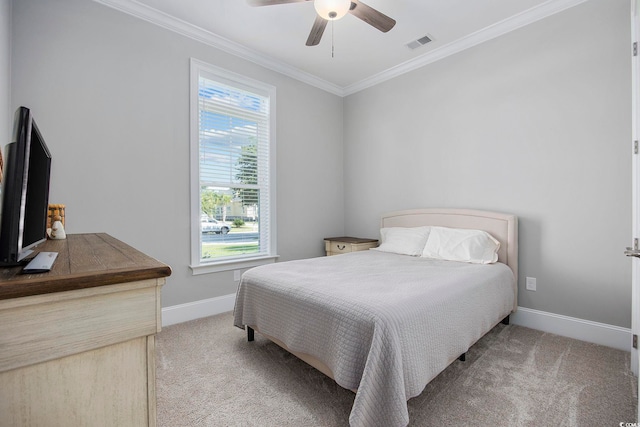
[456, 244]
[403, 240]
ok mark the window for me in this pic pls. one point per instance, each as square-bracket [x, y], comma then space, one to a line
[232, 170]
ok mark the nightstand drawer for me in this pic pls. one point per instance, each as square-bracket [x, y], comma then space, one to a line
[343, 245]
[338, 247]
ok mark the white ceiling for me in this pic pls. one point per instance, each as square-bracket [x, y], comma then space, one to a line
[275, 36]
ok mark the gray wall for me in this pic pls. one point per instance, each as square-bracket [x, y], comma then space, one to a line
[537, 123]
[5, 70]
[110, 94]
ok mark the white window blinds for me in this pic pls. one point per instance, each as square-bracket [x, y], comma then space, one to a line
[234, 140]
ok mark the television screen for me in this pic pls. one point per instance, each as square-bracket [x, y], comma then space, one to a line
[25, 190]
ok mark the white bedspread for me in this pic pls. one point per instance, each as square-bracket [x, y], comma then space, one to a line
[385, 324]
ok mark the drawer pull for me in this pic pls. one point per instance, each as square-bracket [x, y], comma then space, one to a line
[341, 248]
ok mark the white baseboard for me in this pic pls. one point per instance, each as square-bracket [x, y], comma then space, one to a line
[197, 309]
[585, 330]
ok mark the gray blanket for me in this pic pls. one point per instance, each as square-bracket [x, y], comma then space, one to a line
[385, 324]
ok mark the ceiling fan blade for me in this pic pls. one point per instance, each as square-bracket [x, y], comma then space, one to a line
[371, 16]
[272, 2]
[316, 31]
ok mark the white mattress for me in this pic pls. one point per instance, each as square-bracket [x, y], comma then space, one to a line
[385, 324]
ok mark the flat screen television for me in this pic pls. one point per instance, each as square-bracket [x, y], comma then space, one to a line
[24, 193]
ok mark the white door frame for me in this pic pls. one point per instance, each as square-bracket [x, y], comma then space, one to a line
[635, 96]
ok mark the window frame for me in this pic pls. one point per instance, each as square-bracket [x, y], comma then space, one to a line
[197, 69]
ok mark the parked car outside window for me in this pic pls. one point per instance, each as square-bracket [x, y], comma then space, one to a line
[210, 225]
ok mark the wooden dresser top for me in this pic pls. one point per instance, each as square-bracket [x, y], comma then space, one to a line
[84, 261]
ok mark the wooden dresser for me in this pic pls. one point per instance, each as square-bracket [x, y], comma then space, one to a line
[77, 344]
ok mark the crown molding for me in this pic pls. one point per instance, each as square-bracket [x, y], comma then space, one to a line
[512, 23]
[154, 16]
[161, 19]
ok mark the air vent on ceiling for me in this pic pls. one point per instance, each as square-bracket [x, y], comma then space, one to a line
[419, 42]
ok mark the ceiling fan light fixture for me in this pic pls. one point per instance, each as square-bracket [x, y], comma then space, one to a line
[332, 9]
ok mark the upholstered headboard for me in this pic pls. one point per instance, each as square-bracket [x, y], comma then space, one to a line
[503, 227]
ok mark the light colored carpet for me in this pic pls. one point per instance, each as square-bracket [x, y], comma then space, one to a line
[209, 375]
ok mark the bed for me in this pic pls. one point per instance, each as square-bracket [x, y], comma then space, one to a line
[380, 323]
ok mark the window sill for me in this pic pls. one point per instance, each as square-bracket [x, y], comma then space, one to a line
[235, 264]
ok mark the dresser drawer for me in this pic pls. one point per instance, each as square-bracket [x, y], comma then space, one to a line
[50, 326]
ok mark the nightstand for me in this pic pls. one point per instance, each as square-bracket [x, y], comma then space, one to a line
[343, 245]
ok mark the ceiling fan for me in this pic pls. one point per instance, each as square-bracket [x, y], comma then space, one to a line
[331, 10]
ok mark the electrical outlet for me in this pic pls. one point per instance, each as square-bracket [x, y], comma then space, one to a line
[236, 275]
[531, 283]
